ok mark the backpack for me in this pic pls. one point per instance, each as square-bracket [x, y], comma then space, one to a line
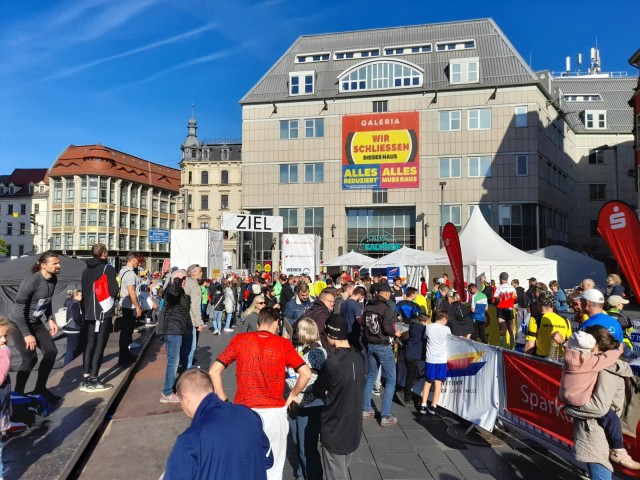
[61, 316]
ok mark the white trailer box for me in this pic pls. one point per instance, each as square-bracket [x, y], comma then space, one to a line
[201, 246]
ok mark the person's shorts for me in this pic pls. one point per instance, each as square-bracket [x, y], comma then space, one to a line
[505, 314]
[435, 371]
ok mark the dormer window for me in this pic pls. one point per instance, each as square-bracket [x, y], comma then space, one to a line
[595, 119]
[381, 75]
[302, 83]
[464, 70]
[224, 154]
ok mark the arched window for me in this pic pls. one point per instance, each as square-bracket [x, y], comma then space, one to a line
[224, 177]
[204, 178]
[190, 178]
[205, 154]
[224, 154]
[193, 153]
[381, 75]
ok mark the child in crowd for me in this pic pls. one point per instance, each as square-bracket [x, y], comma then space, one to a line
[413, 352]
[5, 383]
[436, 369]
[73, 327]
[583, 360]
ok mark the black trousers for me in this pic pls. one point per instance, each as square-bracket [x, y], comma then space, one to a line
[479, 332]
[127, 325]
[94, 351]
[44, 341]
[412, 375]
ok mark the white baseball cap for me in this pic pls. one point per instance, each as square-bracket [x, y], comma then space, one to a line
[593, 295]
[614, 300]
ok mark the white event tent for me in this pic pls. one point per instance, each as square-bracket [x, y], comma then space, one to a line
[573, 267]
[415, 261]
[486, 252]
[351, 259]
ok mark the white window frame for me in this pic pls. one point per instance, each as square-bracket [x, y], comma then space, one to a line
[313, 57]
[292, 125]
[450, 120]
[450, 161]
[315, 126]
[592, 119]
[526, 160]
[475, 115]
[353, 54]
[467, 75]
[290, 167]
[479, 160]
[302, 83]
[317, 166]
[521, 116]
[456, 45]
[407, 49]
[380, 74]
[450, 206]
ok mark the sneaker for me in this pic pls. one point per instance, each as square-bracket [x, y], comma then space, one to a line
[431, 410]
[171, 398]
[402, 401]
[94, 387]
[16, 427]
[228, 329]
[388, 421]
[368, 415]
[376, 391]
[621, 457]
[423, 410]
[216, 332]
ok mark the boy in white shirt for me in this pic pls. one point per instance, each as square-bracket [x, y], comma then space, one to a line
[436, 369]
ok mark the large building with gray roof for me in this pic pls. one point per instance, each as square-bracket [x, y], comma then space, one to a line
[374, 139]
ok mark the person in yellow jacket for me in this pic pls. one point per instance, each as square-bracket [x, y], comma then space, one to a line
[319, 285]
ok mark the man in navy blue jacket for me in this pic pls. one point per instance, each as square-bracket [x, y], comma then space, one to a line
[223, 441]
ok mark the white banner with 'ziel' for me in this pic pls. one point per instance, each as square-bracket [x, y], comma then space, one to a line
[472, 386]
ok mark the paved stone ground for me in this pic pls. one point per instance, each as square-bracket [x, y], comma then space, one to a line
[142, 431]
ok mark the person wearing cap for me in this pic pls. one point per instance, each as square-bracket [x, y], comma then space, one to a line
[379, 331]
[397, 291]
[341, 383]
[616, 303]
[545, 340]
[594, 304]
[531, 291]
[505, 296]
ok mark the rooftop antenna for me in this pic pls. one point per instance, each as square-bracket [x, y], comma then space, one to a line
[567, 66]
[594, 67]
[579, 62]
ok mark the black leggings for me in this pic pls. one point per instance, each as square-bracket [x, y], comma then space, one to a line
[127, 326]
[96, 341]
[44, 341]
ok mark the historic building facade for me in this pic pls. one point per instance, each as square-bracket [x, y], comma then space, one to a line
[98, 194]
[23, 212]
[374, 139]
[211, 177]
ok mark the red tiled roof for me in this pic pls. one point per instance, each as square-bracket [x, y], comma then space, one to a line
[23, 176]
[101, 160]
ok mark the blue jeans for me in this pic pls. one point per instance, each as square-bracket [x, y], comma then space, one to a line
[173, 344]
[380, 356]
[229, 317]
[305, 430]
[599, 472]
[187, 348]
[73, 339]
[217, 319]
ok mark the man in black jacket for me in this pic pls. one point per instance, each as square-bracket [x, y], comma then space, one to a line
[174, 325]
[319, 312]
[287, 292]
[98, 313]
[379, 331]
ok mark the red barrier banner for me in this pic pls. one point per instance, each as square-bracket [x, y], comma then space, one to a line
[619, 226]
[451, 242]
[532, 390]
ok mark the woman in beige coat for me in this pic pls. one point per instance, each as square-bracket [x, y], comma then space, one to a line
[590, 443]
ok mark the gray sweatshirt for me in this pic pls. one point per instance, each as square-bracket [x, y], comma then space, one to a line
[33, 302]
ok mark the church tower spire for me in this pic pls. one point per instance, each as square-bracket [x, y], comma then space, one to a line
[191, 145]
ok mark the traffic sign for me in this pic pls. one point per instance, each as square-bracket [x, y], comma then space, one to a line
[159, 235]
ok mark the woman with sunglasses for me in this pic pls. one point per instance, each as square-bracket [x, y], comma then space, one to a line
[250, 315]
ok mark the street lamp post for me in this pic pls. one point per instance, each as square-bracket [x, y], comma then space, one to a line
[442, 185]
[185, 220]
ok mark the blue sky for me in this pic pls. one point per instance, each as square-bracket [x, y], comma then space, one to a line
[124, 73]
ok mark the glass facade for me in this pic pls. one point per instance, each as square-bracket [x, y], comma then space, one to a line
[379, 231]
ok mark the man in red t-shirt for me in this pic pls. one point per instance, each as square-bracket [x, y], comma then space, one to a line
[261, 360]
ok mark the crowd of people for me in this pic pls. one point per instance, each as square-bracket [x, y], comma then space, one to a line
[311, 354]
